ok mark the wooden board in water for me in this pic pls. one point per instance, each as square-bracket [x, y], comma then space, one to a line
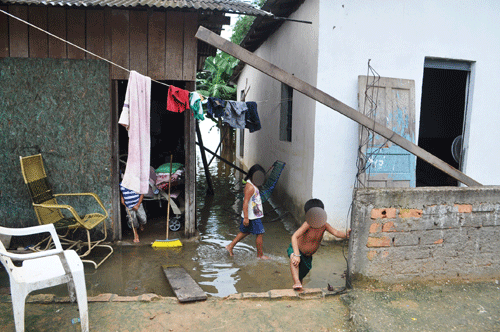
[184, 287]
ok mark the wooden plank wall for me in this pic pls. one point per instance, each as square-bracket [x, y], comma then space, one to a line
[159, 44]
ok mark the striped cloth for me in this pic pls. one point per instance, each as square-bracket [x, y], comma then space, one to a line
[130, 197]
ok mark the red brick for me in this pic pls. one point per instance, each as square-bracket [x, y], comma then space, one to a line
[410, 213]
[464, 208]
[376, 242]
[389, 213]
[388, 227]
[371, 254]
[438, 241]
[375, 228]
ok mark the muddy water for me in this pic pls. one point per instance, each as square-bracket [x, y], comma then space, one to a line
[137, 269]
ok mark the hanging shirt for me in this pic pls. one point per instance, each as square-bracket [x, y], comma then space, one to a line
[195, 105]
[234, 114]
[252, 121]
[177, 99]
[215, 107]
[130, 197]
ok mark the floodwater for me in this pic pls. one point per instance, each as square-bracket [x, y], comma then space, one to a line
[136, 269]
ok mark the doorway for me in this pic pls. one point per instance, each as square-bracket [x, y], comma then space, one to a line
[167, 139]
[445, 89]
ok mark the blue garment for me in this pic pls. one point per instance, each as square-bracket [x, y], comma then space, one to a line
[130, 197]
[215, 107]
[252, 121]
[234, 114]
[255, 227]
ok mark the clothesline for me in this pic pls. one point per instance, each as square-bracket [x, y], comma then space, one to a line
[69, 43]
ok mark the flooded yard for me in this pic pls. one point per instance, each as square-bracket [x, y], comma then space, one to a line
[136, 269]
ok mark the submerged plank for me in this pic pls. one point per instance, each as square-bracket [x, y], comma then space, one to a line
[184, 287]
[279, 74]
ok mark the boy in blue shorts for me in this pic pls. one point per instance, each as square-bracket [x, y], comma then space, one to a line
[307, 239]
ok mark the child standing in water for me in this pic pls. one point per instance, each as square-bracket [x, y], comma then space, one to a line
[307, 239]
[252, 211]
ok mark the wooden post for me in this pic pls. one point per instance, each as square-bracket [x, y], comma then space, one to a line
[190, 168]
[250, 59]
[210, 189]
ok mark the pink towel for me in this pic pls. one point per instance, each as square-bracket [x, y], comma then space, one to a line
[135, 117]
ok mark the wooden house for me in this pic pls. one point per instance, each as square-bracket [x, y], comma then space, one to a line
[64, 101]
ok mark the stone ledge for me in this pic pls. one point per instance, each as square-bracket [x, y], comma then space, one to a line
[275, 294]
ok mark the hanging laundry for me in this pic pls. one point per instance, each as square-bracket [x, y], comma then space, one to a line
[234, 114]
[195, 105]
[252, 121]
[177, 99]
[135, 117]
[215, 107]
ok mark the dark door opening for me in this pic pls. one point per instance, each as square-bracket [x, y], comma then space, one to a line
[167, 138]
[441, 122]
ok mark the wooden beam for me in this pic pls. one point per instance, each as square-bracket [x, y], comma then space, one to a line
[183, 285]
[279, 74]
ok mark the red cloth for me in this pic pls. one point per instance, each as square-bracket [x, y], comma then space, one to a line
[177, 100]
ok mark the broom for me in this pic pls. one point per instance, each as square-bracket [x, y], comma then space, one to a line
[168, 243]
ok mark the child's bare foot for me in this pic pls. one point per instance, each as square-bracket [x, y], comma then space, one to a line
[264, 257]
[297, 286]
[230, 250]
[136, 240]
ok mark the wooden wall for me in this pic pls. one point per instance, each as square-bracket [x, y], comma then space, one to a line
[159, 44]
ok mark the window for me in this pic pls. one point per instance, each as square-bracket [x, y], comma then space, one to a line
[286, 113]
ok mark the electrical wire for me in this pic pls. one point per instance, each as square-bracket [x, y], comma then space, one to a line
[365, 153]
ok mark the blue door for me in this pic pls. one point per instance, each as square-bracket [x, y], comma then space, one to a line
[390, 102]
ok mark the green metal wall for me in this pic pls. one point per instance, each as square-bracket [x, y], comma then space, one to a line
[60, 108]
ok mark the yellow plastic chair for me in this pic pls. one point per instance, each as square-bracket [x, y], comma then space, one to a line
[49, 211]
[41, 270]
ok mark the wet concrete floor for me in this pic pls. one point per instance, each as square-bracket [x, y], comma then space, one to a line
[135, 269]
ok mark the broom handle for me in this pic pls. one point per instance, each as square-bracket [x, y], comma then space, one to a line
[168, 210]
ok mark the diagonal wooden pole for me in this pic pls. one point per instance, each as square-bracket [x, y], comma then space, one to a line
[251, 59]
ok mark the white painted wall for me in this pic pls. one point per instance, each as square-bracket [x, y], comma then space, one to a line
[294, 49]
[396, 35]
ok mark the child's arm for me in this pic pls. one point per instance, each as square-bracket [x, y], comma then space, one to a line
[121, 198]
[249, 191]
[336, 232]
[295, 256]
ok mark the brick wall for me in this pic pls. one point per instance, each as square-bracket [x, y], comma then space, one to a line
[425, 233]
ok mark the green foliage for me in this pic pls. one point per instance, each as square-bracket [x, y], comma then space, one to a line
[243, 24]
[214, 80]
[241, 28]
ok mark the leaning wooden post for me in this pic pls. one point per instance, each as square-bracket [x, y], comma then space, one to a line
[210, 189]
[279, 74]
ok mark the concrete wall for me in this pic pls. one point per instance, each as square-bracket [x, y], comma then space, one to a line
[61, 109]
[397, 36]
[421, 234]
[294, 49]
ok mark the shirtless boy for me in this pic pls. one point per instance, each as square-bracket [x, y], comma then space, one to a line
[306, 240]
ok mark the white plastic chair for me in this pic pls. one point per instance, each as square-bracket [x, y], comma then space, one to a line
[43, 269]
